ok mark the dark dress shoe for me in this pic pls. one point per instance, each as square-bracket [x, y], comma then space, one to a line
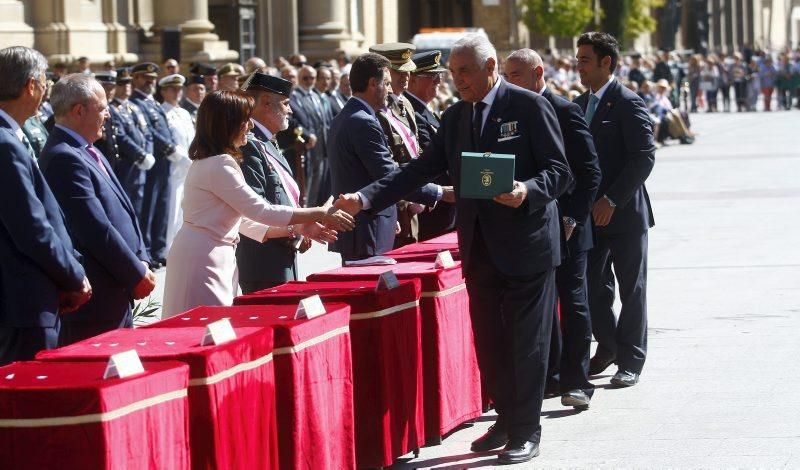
[600, 362]
[493, 439]
[577, 399]
[518, 451]
[624, 378]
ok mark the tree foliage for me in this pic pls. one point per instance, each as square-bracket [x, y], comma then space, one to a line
[563, 18]
[639, 18]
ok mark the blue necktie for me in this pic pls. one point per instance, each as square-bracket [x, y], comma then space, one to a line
[593, 102]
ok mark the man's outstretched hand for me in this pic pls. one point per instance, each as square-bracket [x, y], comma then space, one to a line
[349, 203]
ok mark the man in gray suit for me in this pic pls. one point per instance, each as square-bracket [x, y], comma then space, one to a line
[623, 137]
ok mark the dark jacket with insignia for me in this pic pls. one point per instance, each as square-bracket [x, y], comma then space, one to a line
[273, 262]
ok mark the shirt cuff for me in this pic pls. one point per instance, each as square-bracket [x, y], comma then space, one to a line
[365, 204]
[439, 193]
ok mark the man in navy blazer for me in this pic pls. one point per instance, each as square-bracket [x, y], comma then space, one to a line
[99, 214]
[40, 277]
[571, 341]
[623, 137]
[359, 154]
[510, 246]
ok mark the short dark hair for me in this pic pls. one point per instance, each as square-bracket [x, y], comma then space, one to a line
[369, 65]
[219, 122]
[603, 44]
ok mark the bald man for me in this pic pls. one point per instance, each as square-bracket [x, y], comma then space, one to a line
[569, 359]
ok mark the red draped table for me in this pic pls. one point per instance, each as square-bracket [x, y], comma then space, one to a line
[65, 415]
[451, 380]
[387, 360]
[313, 376]
[231, 388]
[423, 251]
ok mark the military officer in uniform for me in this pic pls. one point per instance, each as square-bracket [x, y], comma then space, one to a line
[209, 74]
[182, 127]
[228, 76]
[134, 140]
[107, 144]
[36, 133]
[193, 96]
[155, 207]
[422, 87]
[273, 262]
[400, 126]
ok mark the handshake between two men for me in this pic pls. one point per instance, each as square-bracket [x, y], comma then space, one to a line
[353, 204]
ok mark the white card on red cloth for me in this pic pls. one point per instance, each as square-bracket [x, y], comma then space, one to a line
[124, 364]
[444, 260]
[309, 308]
[218, 332]
[387, 280]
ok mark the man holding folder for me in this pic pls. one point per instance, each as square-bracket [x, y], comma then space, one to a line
[510, 244]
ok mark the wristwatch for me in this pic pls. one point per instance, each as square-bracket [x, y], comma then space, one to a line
[610, 202]
[569, 221]
[290, 229]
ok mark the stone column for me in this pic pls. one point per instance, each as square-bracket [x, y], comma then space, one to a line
[12, 23]
[198, 42]
[324, 28]
[65, 30]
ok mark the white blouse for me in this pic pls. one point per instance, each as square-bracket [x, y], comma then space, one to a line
[218, 201]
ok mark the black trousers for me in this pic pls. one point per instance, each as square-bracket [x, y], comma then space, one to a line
[625, 338]
[571, 339]
[155, 208]
[511, 320]
[248, 287]
[22, 344]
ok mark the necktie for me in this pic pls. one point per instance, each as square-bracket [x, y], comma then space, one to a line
[477, 122]
[592, 107]
[96, 156]
[28, 145]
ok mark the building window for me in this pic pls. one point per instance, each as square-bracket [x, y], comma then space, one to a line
[247, 33]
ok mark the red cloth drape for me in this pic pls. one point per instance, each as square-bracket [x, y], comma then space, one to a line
[66, 416]
[448, 238]
[231, 388]
[385, 329]
[423, 251]
[313, 377]
[452, 391]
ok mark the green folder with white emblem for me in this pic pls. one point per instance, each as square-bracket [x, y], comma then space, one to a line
[485, 175]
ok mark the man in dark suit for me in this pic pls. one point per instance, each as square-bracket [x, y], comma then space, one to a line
[570, 341]
[623, 137]
[360, 155]
[422, 89]
[307, 109]
[273, 262]
[40, 277]
[155, 205]
[99, 214]
[510, 245]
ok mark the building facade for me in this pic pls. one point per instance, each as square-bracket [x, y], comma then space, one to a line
[217, 31]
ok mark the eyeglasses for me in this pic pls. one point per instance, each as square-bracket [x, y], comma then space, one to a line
[308, 78]
[433, 76]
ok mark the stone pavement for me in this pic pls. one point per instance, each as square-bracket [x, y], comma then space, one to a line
[718, 390]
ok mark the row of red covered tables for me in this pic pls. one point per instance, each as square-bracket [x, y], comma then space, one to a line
[374, 378]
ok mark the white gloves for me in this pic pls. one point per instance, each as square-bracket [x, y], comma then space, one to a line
[178, 154]
[147, 162]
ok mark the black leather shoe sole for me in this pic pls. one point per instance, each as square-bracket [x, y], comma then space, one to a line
[518, 457]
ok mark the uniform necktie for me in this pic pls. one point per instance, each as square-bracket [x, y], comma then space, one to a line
[592, 107]
[96, 156]
[477, 122]
[288, 183]
[28, 146]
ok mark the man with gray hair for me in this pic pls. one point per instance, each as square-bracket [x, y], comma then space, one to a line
[571, 342]
[510, 244]
[40, 277]
[100, 216]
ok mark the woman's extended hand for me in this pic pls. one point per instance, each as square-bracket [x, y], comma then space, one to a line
[337, 219]
[318, 232]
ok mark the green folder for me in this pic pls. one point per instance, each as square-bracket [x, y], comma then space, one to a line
[485, 175]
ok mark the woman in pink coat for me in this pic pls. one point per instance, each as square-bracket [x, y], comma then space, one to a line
[218, 205]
